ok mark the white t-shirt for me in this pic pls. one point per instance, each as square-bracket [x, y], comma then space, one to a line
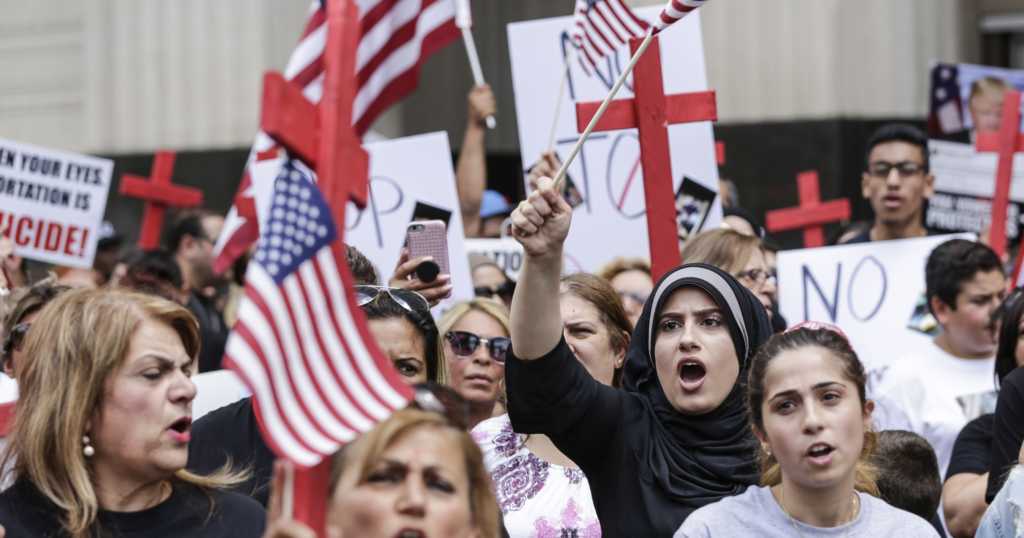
[755, 512]
[939, 394]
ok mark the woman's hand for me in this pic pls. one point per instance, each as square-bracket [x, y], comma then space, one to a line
[541, 222]
[279, 526]
[434, 291]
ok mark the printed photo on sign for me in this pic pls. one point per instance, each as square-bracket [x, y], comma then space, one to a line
[967, 97]
[607, 173]
[52, 202]
[693, 203]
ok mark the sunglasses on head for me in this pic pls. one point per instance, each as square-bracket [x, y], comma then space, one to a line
[465, 343]
[504, 291]
[407, 299]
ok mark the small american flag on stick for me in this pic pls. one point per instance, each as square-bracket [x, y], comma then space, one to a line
[317, 379]
[600, 27]
[675, 10]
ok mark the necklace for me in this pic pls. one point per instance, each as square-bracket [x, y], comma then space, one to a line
[854, 507]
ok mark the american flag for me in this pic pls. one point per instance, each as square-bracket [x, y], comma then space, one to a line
[600, 27]
[675, 10]
[317, 379]
[396, 37]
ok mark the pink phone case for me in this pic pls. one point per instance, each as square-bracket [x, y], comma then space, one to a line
[428, 238]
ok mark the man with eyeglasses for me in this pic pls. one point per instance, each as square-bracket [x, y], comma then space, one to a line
[191, 240]
[896, 181]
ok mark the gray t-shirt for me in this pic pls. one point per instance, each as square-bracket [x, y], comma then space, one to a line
[756, 513]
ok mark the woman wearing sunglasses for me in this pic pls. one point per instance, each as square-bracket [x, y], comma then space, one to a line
[476, 340]
[540, 490]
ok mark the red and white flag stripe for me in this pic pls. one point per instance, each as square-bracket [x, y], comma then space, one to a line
[396, 37]
[675, 10]
[601, 27]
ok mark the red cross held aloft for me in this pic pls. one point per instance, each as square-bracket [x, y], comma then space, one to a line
[811, 214]
[1006, 142]
[651, 112]
[159, 193]
[323, 136]
[720, 153]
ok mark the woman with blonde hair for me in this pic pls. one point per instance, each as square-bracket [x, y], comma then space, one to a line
[417, 473]
[476, 340]
[742, 256]
[102, 426]
[809, 410]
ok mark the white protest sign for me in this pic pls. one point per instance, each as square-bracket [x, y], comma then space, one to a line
[506, 252]
[52, 202]
[407, 174]
[215, 390]
[606, 173]
[870, 290]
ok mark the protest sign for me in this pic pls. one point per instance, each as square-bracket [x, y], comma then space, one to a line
[409, 177]
[215, 390]
[964, 183]
[874, 291]
[952, 116]
[52, 202]
[607, 172]
[506, 252]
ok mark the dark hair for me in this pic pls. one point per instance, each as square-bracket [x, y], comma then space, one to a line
[898, 132]
[383, 307]
[188, 223]
[596, 291]
[951, 264]
[908, 472]
[853, 370]
[28, 301]
[155, 272]
[361, 268]
[1010, 314]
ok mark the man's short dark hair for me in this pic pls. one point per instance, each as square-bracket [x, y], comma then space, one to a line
[898, 132]
[154, 272]
[951, 264]
[908, 472]
[186, 223]
[360, 266]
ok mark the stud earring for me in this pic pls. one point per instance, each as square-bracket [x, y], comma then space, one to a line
[87, 448]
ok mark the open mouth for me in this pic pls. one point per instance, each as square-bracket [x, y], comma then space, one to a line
[410, 533]
[892, 201]
[692, 373]
[478, 378]
[181, 429]
[820, 452]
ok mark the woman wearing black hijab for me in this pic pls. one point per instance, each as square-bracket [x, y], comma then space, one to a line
[677, 437]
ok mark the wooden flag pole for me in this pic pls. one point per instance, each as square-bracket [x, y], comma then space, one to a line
[560, 176]
[558, 108]
[464, 20]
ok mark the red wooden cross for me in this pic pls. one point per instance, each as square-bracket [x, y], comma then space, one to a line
[651, 112]
[720, 153]
[323, 137]
[1006, 142]
[811, 214]
[159, 193]
[6, 418]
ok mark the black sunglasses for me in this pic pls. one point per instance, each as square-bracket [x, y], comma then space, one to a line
[504, 291]
[465, 343]
[15, 338]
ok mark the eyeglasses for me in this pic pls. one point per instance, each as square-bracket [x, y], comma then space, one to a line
[633, 296]
[757, 276]
[15, 338]
[407, 299]
[465, 343]
[906, 169]
[505, 291]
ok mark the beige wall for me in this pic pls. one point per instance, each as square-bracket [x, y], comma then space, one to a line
[121, 76]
